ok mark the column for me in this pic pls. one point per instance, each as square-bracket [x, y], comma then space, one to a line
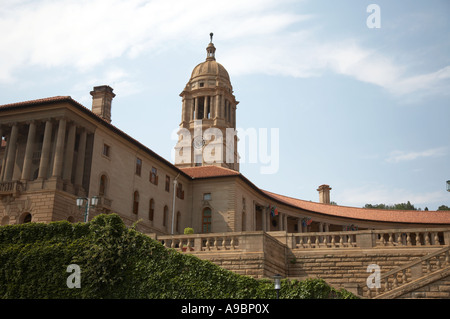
[67, 171]
[29, 149]
[280, 221]
[196, 108]
[264, 218]
[222, 106]
[45, 152]
[299, 225]
[2, 173]
[205, 108]
[212, 109]
[80, 159]
[59, 151]
[216, 106]
[11, 156]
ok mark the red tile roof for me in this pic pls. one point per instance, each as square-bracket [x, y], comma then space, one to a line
[375, 215]
[209, 171]
[378, 215]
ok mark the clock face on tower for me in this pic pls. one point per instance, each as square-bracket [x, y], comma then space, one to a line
[198, 142]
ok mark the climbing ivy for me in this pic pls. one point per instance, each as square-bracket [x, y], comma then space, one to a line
[120, 262]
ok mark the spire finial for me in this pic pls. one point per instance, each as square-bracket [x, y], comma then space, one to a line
[211, 36]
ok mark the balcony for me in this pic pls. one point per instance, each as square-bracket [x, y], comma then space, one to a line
[13, 188]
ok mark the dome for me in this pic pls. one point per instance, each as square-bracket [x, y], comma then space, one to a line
[208, 69]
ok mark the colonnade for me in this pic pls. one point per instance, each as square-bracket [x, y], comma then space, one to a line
[208, 107]
[297, 223]
[51, 154]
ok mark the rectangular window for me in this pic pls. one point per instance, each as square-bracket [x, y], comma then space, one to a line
[138, 166]
[106, 150]
[154, 176]
[180, 191]
[207, 196]
[167, 183]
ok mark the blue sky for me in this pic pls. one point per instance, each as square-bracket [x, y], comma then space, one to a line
[364, 110]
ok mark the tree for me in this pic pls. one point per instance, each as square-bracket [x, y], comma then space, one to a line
[400, 206]
[443, 207]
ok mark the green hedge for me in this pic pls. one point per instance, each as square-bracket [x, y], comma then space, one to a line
[120, 262]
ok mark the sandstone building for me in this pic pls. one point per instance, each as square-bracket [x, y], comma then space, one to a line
[55, 150]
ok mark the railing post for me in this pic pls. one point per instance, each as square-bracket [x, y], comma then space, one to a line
[447, 237]
[365, 240]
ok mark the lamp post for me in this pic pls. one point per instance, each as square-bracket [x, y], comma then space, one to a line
[84, 202]
[277, 284]
[448, 186]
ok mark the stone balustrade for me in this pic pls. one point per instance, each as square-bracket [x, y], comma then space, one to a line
[370, 238]
[202, 242]
[314, 240]
[393, 281]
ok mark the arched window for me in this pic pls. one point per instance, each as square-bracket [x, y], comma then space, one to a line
[151, 209]
[165, 215]
[136, 202]
[26, 218]
[206, 220]
[103, 184]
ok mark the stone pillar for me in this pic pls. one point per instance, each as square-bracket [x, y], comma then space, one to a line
[45, 152]
[2, 173]
[205, 108]
[264, 220]
[59, 152]
[67, 172]
[299, 225]
[29, 149]
[196, 108]
[211, 107]
[280, 221]
[216, 106]
[11, 155]
[80, 159]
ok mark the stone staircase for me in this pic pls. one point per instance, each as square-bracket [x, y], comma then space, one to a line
[424, 277]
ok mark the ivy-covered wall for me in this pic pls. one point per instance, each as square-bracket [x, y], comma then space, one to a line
[119, 262]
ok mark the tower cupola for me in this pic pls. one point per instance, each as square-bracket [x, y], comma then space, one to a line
[209, 105]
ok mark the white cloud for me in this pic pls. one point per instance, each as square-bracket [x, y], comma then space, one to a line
[260, 38]
[400, 156]
[84, 33]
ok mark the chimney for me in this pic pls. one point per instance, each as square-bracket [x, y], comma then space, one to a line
[324, 194]
[101, 101]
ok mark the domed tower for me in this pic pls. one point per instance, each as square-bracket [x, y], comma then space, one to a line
[207, 134]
